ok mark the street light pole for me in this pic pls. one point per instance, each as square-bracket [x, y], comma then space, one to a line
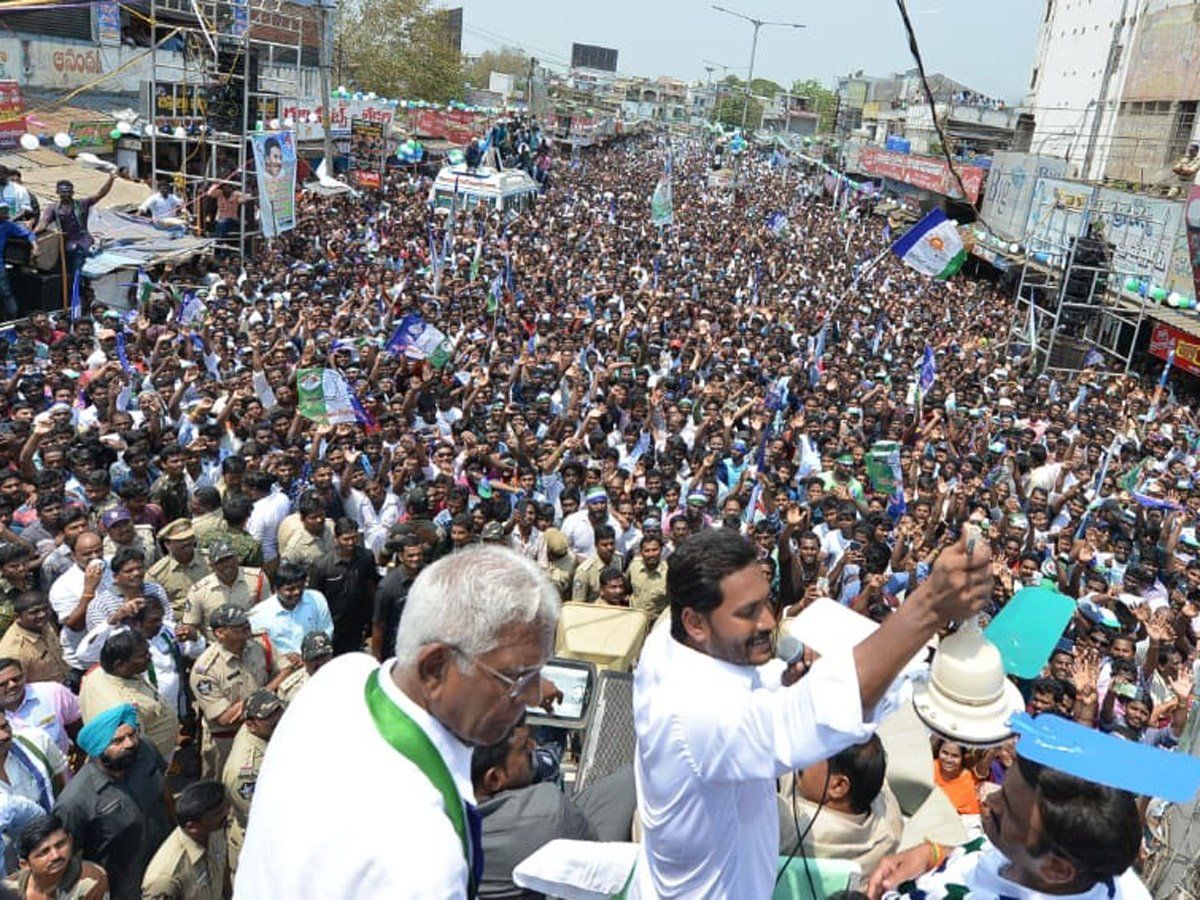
[757, 23]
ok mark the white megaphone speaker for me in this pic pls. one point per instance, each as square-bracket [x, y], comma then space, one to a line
[965, 695]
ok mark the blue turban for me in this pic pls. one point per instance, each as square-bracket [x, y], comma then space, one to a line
[97, 734]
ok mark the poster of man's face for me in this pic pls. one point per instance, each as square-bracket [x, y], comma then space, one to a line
[273, 158]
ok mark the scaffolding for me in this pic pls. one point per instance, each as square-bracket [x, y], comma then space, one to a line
[1073, 281]
[225, 76]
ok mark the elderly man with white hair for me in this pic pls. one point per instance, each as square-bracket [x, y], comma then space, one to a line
[366, 790]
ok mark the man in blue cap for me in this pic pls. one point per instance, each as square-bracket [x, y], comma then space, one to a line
[115, 808]
[1064, 823]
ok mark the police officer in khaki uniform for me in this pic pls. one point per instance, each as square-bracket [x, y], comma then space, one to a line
[228, 582]
[191, 863]
[182, 567]
[648, 578]
[224, 676]
[560, 563]
[263, 711]
[315, 650]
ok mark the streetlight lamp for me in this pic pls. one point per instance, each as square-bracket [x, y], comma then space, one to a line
[757, 23]
[709, 65]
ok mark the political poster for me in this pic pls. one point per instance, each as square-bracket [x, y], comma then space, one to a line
[367, 151]
[275, 167]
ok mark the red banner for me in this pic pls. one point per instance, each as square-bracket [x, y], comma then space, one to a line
[1164, 338]
[12, 113]
[926, 172]
[366, 179]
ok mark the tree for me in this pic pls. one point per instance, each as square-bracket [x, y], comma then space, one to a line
[508, 60]
[821, 100]
[398, 48]
[728, 110]
[765, 87]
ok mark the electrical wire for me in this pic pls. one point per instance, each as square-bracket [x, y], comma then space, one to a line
[800, 836]
[937, 125]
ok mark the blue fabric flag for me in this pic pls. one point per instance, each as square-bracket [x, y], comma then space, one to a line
[1162, 379]
[928, 370]
[76, 297]
[1094, 358]
[121, 352]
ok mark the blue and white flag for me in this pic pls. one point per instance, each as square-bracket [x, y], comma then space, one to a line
[417, 339]
[324, 396]
[817, 367]
[1162, 379]
[932, 247]
[1094, 358]
[777, 223]
[928, 370]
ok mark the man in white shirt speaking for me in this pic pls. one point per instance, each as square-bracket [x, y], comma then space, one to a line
[365, 792]
[716, 725]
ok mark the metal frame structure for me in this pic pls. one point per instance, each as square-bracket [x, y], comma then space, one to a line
[1110, 316]
[213, 29]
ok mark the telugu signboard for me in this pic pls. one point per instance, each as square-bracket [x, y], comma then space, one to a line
[1010, 190]
[926, 172]
[1164, 339]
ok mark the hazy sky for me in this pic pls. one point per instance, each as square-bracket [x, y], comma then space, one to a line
[988, 46]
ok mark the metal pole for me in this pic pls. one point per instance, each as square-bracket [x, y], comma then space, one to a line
[750, 75]
[1102, 98]
[326, 63]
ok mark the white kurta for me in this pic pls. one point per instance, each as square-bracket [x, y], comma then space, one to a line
[976, 867]
[711, 740]
[338, 814]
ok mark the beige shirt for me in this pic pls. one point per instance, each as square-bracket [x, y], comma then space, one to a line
[101, 691]
[90, 882]
[649, 588]
[290, 686]
[561, 573]
[239, 776]
[586, 585]
[177, 579]
[220, 678]
[143, 539]
[304, 547]
[209, 594]
[208, 524]
[183, 869]
[41, 654]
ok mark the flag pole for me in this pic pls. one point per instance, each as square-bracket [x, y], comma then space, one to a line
[870, 266]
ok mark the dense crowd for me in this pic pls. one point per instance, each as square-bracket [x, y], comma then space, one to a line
[182, 548]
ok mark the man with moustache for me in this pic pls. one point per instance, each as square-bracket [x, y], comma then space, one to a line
[115, 808]
[716, 725]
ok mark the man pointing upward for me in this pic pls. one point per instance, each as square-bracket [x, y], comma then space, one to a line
[716, 726]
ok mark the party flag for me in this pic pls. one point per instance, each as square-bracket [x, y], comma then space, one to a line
[932, 246]
[1162, 379]
[928, 370]
[493, 298]
[662, 209]
[145, 286]
[417, 339]
[325, 397]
